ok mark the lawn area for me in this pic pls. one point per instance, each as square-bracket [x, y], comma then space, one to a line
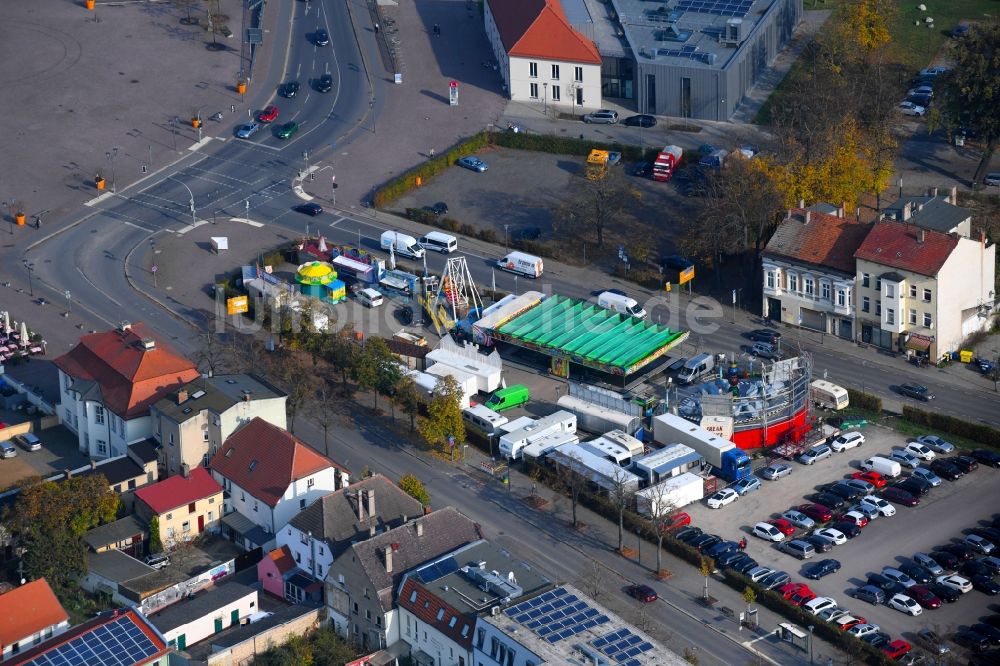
[914, 46]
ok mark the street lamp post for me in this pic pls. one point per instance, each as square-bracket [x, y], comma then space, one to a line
[9, 218]
[545, 99]
[638, 540]
[194, 219]
[811, 628]
[305, 156]
[371, 111]
[111, 155]
[30, 268]
[506, 242]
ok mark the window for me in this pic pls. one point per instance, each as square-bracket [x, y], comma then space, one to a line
[841, 297]
[913, 315]
[98, 415]
[321, 551]
[825, 289]
[878, 284]
[770, 279]
[452, 621]
[865, 304]
[170, 533]
[555, 72]
[878, 308]
[927, 295]
[533, 70]
[807, 284]
[578, 74]
[928, 322]
[310, 483]
[102, 446]
[171, 439]
[191, 507]
[302, 504]
[131, 484]
[368, 614]
[440, 615]
[211, 516]
[255, 505]
[204, 434]
[890, 291]
[533, 90]
[355, 603]
[913, 291]
[556, 96]
[243, 496]
[793, 282]
[170, 516]
[378, 619]
[186, 526]
[413, 597]
[114, 424]
[865, 280]
[890, 316]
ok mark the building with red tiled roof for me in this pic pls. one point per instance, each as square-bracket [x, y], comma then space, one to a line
[185, 505]
[808, 270]
[922, 291]
[29, 614]
[270, 475]
[108, 381]
[542, 57]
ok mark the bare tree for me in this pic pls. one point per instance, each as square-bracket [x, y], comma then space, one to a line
[622, 495]
[323, 413]
[591, 579]
[568, 481]
[297, 381]
[660, 508]
[595, 205]
[213, 355]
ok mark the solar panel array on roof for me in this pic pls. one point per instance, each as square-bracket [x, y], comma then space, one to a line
[556, 615]
[439, 569]
[117, 643]
[623, 646]
[687, 52]
[718, 7]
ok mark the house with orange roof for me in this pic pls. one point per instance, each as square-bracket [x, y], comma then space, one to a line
[185, 505]
[922, 291]
[29, 615]
[108, 382]
[269, 475]
[542, 57]
[808, 270]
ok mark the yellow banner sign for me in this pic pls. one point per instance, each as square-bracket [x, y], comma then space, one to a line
[686, 275]
[237, 305]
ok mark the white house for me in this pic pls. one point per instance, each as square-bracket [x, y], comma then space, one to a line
[108, 382]
[542, 58]
[191, 621]
[192, 423]
[269, 475]
[29, 614]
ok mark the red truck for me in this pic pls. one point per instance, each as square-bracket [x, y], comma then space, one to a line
[666, 162]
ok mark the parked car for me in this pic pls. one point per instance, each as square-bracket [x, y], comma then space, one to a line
[986, 457]
[847, 528]
[937, 444]
[910, 109]
[770, 336]
[746, 485]
[914, 485]
[642, 120]
[722, 498]
[836, 536]
[473, 163]
[775, 471]
[705, 541]
[915, 391]
[979, 543]
[904, 604]
[818, 512]
[967, 464]
[892, 573]
[898, 496]
[918, 573]
[758, 573]
[819, 452]
[798, 548]
[928, 476]
[985, 584]
[974, 568]
[820, 543]
[28, 441]
[959, 550]
[991, 632]
[948, 561]
[869, 512]
[848, 440]
[968, 638]
[675, 521]
[992, 563]
[956, 582]
[946, 470]
[847, 622]
[932, 641]
[880, 504]
[603, 117]
[896, 649]
[774, 580]
[797, 593]
[873, 478]
[904, 458]
[643, 593]
[862, 630]
[865, 487]
[855, 517]
[920, 450]
[767, 532]
[887, 585]
[923, 596]
[841, 489]
[828, 499]
[934, 71]
[870, 593]
[783, 526]
[921, 90]
[743, 564]
[721, 548]
[688, 534]
[928, 562]
[799, 519]
[817, 570]
[819, 604]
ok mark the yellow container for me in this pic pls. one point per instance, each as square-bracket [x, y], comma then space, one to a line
[965, 356]
[241, 88]
[420, 181]
[99, 184]
[196, 123]
[89, 4]
[19, 218]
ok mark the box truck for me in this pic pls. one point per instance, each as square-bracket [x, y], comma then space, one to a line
[727, 461]
[401, 244]
[667, 162]
[512, 443]
[695, 368]
[521, 263]
[670, 495]
[621, 304]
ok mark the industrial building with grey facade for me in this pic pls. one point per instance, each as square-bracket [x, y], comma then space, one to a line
[684, 58]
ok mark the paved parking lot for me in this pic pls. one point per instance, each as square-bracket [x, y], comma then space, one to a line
[939, 519]
[60, 451]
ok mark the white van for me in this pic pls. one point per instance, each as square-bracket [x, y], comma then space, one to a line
[695, 368]
[402, 245]
[828, 395]
[370, 298]
[884, 466]
[621, 304]
[483, 418]
[522, 264]
[439, 242]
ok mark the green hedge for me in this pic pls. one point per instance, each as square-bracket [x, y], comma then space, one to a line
[977, 432]
[407, 181]
[863, 400]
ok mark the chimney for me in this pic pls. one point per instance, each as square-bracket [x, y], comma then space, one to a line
[907, 210]
[920, 235]
[953, 195]
[370, 502]
[125, 326]
[808, 216]
[185, 470]
[388, 558]
[362, 516]
[93, 464]
[420, 527]
[182, 396]
[147, 344]
[67, 474]
[427, 510]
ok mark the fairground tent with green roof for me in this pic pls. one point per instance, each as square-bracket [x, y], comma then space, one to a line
[586, 334]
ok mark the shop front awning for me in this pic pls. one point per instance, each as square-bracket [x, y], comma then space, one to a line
[918, 343]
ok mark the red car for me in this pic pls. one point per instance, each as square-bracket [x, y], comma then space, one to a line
[899, 496]
[268, 115]
[783, 525]
[643, 593]
[675, 522]
[797, 593]
[923, 596]
[845, 623]
[817, 512]
[873, 478]
[896, 649]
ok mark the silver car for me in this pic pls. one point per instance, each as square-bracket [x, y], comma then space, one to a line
[775, 471]
[821, 452]
[928, 476]
[935, 443]
[799, 519]
[602, 117]
[248, 130]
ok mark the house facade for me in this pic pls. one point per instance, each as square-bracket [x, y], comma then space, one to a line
[185, 505]
[191, 621]
[922, 291]
[541, 57]
[29, 614]
[808, 271]
[269, 475]
[326, 528]
[363, 581]
[192, 423]
[108, 382]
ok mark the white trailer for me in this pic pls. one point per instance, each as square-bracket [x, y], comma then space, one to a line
[598, 419]
[672, 429]
[616, 446]
[511, 443]
[487, 369]
[598, 470]
[424, 382]
[665, 463]
[503, 311]
[466, 381]
[670, 495]
[548, 443]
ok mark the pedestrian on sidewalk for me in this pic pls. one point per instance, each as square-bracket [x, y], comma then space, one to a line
[376, 28]
[437, 29]
[432, 153]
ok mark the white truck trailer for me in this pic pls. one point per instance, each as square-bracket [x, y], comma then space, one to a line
[466, 381]
[727, 460]
[670, 461]
[670, 495]
[545, 444]
[513, 442]
[595, 418]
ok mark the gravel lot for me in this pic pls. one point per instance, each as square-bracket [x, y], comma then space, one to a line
[940, 518]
